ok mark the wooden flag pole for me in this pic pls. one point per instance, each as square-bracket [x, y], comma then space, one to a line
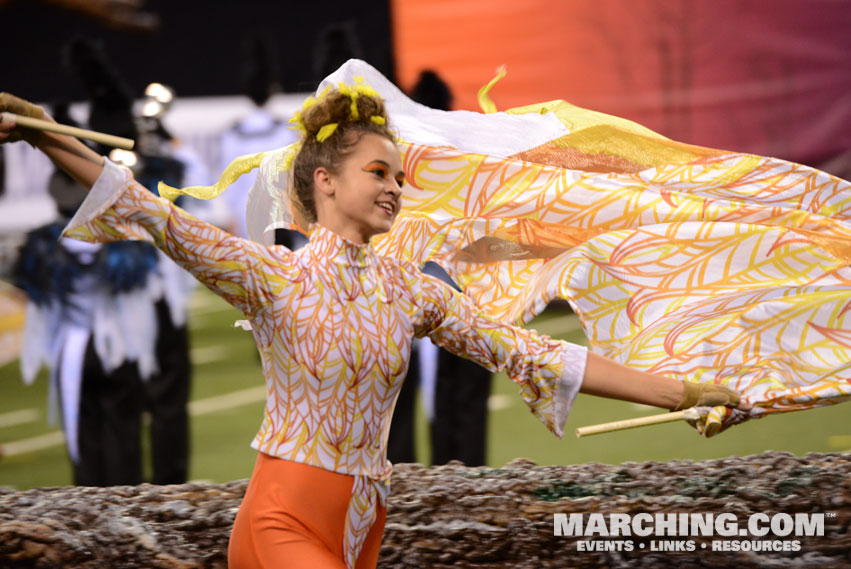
[38, 124]
[638, 422]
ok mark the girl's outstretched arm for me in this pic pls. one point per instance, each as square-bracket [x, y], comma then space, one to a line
[78, 160]
[246, 274]
[608, 378]
[550, 372]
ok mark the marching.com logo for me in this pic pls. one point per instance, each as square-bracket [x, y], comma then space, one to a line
[686, 525]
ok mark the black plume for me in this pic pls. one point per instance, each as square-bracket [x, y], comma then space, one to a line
[110, 98]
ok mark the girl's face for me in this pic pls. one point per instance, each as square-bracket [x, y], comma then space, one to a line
[364, 197]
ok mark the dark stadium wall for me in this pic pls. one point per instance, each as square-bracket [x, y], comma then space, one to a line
[197, 47]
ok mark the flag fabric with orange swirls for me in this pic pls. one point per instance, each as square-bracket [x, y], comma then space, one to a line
[691, 262]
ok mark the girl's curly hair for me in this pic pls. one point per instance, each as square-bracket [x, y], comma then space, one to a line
[332, 126]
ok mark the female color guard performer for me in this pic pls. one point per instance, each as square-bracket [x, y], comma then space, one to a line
[334, 323]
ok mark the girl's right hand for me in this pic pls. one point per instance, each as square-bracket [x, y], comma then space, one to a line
[12, 104]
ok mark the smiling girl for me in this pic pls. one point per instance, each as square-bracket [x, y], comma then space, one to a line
[334, 323]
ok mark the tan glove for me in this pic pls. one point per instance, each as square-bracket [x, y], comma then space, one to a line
[12, 104]
[707, 395]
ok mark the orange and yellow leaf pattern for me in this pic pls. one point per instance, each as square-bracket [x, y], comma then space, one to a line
[690, 262]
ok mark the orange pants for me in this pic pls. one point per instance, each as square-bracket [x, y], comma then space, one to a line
[293, 515]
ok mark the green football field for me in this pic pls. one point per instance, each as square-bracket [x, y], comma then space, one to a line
[227, 404]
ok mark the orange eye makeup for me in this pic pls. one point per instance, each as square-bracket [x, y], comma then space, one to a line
[381, 168]
[377, 166]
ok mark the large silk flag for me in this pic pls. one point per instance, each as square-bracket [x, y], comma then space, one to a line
[696, 263]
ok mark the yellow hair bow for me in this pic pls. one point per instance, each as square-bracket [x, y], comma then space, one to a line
[326, 131]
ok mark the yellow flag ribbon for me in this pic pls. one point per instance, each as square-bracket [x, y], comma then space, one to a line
[485, 101]
[241, 165]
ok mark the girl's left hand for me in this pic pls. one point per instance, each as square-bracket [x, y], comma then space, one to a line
[709, 395]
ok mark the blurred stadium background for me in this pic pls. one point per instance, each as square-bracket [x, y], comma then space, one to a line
[770, 78]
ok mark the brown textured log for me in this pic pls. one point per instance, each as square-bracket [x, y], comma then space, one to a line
[449, 516]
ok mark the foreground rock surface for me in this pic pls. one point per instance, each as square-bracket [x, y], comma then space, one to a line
[454, 516]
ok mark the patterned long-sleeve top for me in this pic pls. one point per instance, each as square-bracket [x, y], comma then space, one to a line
[334, 323]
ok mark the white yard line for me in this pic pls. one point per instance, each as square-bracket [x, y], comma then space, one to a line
[32, 444]
[842, 442]
[196, 408]
[209, 354]
[21, 417]
[500, 401]
[227, 401]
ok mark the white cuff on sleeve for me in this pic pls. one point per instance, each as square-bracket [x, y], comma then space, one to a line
[109, 186]
[574, 359]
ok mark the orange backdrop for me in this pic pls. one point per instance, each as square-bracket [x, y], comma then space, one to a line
[768, 77]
